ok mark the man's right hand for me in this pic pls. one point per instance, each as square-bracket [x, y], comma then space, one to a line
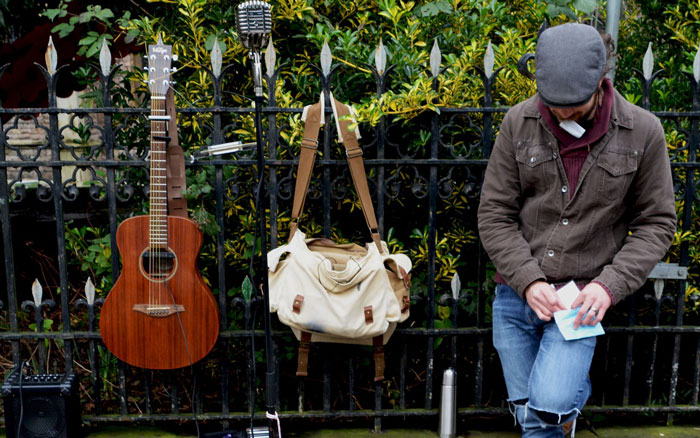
[543, 299]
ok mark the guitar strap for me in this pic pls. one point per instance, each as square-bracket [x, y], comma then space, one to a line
[175, 165]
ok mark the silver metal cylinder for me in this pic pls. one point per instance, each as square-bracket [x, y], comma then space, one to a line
[258, 432]
[448, 405]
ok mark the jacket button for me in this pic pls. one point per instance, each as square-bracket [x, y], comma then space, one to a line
[550, 253]
[533, 159]
[565, 222]
[564, 189]
[554, 155]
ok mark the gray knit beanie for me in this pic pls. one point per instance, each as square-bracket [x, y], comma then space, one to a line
[570, 59]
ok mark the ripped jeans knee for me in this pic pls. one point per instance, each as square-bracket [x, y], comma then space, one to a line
[540, 423]
[554, 419]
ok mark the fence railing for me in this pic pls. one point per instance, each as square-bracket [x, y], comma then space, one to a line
[649, 361]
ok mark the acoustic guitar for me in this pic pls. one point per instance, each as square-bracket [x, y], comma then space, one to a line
[159, 314]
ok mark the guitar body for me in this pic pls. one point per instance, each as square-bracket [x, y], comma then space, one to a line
[139, 320]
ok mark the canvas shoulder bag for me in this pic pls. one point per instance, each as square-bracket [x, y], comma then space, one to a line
[338, 293]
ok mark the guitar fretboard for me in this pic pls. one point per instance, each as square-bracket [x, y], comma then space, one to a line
[158, 230]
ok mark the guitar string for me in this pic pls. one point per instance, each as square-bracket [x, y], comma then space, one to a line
[159, 222]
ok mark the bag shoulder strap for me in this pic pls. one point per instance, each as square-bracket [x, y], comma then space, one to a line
[309, 146]
[357, 169]
[307, 157]
[175, 163]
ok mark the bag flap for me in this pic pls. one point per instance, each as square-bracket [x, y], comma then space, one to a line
[401, 260]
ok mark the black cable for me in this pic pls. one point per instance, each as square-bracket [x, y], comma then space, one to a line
[21, 399]
[189, 357]
[251, 274]
[255, 374]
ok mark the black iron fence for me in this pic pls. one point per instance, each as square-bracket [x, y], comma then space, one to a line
[649, 361]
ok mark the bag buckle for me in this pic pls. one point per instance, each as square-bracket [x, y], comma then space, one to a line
[352, 153]
[369, 318]
[298, 301]
[309, 143]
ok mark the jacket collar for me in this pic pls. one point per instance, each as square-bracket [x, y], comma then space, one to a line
[621, 110]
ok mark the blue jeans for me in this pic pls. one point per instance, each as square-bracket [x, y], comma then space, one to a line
[546, 376]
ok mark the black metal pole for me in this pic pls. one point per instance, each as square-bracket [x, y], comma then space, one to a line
[270, 389]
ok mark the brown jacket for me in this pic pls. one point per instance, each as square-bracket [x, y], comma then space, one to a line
[616, 227]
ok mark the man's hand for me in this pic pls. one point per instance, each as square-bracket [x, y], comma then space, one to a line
[543, 299]
[594, 302]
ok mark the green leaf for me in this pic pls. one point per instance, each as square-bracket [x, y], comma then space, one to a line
[444, 312]
[131, 36]
[92, 50]
[247, 288]
[63, 29]
[554, 10]
[87, 40]
[53, 13]
[585, 6]
[209, 44]
[429, 10]
[104, 14]
[444, 6]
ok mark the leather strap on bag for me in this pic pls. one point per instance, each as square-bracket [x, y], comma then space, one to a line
[175, 163]
[303, 354]
[357, 169]
[378, 343]
[307, 157]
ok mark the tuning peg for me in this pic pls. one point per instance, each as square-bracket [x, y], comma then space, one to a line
[145, 58]
[173, 82]
[174, 57]
[173, 70]
[145, 67]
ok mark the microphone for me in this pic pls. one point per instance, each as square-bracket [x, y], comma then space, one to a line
[220, 149]
[253, 24]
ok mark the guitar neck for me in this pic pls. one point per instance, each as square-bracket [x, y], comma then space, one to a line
[158, 230]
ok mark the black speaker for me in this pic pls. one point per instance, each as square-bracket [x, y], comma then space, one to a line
[47, 405]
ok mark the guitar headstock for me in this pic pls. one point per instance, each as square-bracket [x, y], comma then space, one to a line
[159, 61]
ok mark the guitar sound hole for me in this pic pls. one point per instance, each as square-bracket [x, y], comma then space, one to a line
[158, 264]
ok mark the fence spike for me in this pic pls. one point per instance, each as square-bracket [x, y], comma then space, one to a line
[380, 58]
[326, 59]
[489, 59]
[216, 58]
[658, 288]
[51, 57]
[37, 292]
[456, 285]
[270, 58]
[435, 58]
[90, 291]
[696, 66]
[105, 58]
[648, 63]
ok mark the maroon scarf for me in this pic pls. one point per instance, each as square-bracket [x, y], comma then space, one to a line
[574, 150]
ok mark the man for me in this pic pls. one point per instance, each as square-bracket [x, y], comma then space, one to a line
[589, 200]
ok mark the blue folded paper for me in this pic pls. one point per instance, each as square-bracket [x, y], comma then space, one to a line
[565, 322]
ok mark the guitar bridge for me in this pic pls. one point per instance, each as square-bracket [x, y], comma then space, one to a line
[158, 310]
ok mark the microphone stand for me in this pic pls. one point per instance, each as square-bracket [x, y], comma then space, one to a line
[270, 389]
